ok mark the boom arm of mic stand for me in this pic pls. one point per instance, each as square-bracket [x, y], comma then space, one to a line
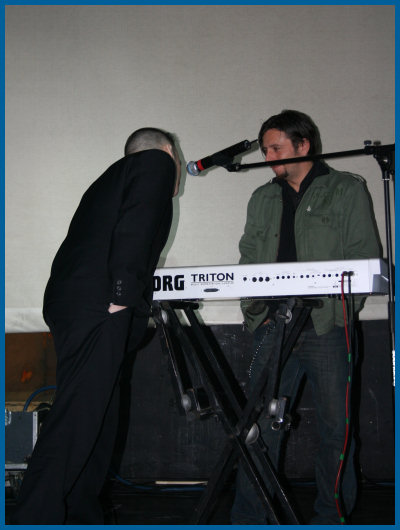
[375, 150]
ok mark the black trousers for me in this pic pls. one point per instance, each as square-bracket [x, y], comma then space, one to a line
[73, 452]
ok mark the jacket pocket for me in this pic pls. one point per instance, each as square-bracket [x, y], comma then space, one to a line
[267, 240]
[322, 236]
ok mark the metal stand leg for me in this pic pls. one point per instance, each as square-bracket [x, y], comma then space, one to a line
[227, 400]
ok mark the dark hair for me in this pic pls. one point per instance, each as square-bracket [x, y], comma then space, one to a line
[296, 125]
[148, 138]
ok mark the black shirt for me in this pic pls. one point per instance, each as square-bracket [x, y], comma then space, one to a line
[291, 199]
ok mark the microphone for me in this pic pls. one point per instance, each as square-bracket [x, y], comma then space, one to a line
[221, 158]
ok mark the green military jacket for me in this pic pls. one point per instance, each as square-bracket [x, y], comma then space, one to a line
[334, 221]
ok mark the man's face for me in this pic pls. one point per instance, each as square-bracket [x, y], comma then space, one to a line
[276, 145]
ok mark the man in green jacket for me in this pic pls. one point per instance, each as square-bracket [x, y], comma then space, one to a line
[308, 212]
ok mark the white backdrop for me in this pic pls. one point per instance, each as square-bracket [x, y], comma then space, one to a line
[80, 79]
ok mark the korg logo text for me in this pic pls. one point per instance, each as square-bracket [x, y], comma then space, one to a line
[169, 283]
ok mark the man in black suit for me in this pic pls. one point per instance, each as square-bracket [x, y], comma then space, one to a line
[97, 305]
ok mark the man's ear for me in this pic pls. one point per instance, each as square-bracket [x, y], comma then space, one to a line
[303, 147]
[168, 149]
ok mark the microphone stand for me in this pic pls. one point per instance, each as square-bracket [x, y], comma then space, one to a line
[384, 155]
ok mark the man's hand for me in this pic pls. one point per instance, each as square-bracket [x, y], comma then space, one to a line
[113, 308]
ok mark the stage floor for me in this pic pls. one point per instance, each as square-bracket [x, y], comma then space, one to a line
[171, 505]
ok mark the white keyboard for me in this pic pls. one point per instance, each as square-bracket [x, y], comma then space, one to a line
[269, 280]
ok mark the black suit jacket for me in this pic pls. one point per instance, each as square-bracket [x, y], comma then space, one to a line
[116, 235]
